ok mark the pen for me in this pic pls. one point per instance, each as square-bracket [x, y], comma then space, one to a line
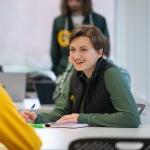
[32, 107]
[49, 124]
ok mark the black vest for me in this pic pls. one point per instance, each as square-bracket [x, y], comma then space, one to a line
[90, 95]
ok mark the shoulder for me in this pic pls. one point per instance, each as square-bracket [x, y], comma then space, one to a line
[98, 16]
[100, 22]
[112, 72]
[115, 72]
[115, 78]
[59, 19]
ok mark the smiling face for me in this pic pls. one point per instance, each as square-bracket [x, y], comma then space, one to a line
[83, 55]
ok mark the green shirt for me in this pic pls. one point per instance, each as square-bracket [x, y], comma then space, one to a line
[122, 99]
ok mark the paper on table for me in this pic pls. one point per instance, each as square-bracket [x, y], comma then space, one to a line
[66, 125]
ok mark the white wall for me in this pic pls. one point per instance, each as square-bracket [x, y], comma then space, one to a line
[25, 31]
[133, 42]
[148, 52]
[106, 8]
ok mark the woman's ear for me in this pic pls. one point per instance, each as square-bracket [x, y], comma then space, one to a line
[100, 53]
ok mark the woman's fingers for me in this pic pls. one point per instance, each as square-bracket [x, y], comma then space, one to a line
[28, 116]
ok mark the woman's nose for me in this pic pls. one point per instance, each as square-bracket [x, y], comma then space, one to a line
[77, 54]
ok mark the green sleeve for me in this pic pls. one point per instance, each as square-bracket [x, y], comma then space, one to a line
[61, 108]
[123, 101]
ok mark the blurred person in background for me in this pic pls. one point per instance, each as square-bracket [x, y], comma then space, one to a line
[73, 13]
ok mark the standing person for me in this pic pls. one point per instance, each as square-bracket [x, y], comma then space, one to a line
[99, 94]
[15, 134]
[73, 13]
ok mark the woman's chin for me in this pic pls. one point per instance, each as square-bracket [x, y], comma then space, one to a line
[78, 68]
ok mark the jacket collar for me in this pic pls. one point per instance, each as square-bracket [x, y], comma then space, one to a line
[99, 67]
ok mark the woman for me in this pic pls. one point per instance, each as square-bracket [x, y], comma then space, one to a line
[98, 93]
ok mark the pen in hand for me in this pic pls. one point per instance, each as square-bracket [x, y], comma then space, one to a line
[31, 115]
[32, 107]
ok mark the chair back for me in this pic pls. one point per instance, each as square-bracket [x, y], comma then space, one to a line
[110, 144]
[1, 68]
[140, 107]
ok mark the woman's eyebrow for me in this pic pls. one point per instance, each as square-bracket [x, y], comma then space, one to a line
[84, 46]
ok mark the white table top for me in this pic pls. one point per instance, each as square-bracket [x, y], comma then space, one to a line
[59, 138]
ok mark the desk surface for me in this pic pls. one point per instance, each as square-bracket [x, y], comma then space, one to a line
[59, 138]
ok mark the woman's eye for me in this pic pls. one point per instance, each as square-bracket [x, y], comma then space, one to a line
[83, 49]
[71, 49]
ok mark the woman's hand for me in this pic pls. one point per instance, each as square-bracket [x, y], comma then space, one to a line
[72, 118]
[29, 116]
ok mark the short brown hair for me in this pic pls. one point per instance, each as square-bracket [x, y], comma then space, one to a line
[86, 6]
[96, 37]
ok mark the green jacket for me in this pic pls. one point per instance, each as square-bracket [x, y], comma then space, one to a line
[126, 116]
[59, 48]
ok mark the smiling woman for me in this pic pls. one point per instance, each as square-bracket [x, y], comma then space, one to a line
[99, 94]
[85, 50]
[98, 87]
[83, 55]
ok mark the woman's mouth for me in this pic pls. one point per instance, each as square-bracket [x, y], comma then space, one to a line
[79, 62]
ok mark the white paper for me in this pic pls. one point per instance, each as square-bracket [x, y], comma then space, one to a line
[67, 125]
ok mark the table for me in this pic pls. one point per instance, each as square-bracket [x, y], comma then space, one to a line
[60, 138]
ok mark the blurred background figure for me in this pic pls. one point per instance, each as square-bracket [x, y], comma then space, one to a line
[73, 13]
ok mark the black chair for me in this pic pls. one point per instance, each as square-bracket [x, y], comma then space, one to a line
[1, 68]
[110, 144]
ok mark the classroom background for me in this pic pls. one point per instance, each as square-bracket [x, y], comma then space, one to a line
[25, 36]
